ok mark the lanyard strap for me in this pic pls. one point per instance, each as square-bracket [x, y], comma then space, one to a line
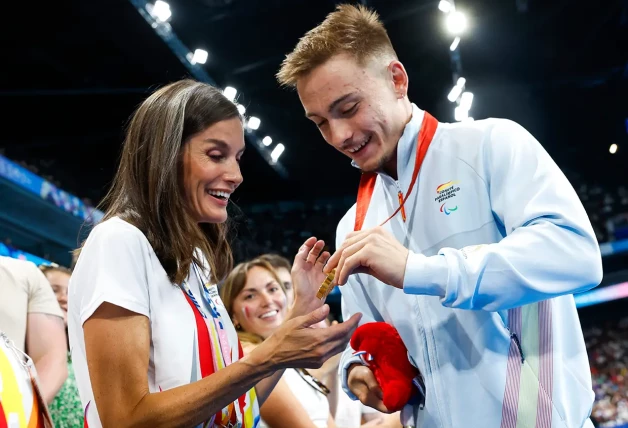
[368, 179]
[216, 319]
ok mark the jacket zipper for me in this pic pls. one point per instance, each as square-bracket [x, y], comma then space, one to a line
[514, 337]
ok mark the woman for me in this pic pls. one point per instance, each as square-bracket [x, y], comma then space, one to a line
[256, 300]
[345, 412]
[151, 341]
[65, 410]
[282, 267]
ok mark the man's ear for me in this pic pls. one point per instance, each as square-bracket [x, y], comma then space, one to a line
[399, 76]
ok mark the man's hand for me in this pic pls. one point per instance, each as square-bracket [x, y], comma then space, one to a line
[373, 251]
[362, 384]
[307, 276]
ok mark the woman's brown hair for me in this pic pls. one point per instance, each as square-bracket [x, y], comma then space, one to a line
[234, 284]
[147, 190]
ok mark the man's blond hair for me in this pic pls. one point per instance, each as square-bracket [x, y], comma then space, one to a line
[354, 30]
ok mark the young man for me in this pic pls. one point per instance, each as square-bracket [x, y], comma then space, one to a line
[477, 268]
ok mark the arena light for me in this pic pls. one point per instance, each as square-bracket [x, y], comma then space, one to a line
[199, 57]
[454, 93]
[161, 11]
[253, 123]
[613, 149]
[460, 114]
[466, 99]
[277, 151]
[241, 109]
[445, 6]
[230, 93]
[457, 90]
[454, 44]
[456, 22]
[267, 141]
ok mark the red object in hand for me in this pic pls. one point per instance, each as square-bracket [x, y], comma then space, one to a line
[387, 357]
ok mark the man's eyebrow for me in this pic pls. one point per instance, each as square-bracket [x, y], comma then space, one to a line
[334, 103]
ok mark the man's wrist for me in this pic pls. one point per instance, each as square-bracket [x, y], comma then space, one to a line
[349, 368]
[346, 368]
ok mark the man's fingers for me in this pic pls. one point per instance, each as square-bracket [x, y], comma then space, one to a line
[341, 277]
[374, 387]
[369, 399]
[350, 240]
[350, 265]
[332, 262]
[362, 392]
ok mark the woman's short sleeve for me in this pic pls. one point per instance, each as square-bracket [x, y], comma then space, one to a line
[112, 268]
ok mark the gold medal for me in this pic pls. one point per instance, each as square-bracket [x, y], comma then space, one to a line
[326, 286]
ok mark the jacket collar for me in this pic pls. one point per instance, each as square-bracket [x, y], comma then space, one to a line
[406, 146]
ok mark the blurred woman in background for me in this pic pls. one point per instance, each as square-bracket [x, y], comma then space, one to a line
[66, 410]
[345, 412]
[256, 300]
[282, 268]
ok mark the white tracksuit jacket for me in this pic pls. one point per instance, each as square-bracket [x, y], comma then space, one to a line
[486, 310]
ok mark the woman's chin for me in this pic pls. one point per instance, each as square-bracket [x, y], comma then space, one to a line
[214, 217]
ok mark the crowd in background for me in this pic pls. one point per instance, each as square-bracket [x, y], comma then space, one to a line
[607, 345]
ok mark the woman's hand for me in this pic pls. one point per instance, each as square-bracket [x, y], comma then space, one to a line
[296, 345]
[307, 276]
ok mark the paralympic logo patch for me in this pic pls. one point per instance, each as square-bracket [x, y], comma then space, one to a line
[444, 192]
[446, 210]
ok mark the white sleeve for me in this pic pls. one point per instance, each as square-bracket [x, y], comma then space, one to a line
[112, 269]
[549, 248]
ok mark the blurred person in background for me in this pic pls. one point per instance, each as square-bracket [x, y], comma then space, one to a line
[345, 412]
[152, 344]
[327, 374]
[31, 317]
[65, 410]
[466, 237]
[282, 267]
[256, 300]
